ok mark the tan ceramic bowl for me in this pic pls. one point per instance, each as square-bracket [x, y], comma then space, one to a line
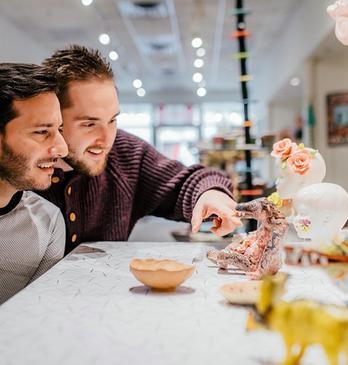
[160, 274]
[241, 292]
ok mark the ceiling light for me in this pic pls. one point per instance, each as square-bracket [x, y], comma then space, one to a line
[104, 39]
[201, 91]
[86, 2]
[198, 63]
[147, 4]
[141, 92]
[196, 42]
[197, 77]
[113, 55]
[137, 83]
[295, 81]
[200, 52]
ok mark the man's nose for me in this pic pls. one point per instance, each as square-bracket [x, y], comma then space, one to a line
[59, 148]
[102, 135]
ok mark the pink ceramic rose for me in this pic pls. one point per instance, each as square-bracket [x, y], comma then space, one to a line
[338, 9]
[339, 12]
[283, 148]
[300, 161]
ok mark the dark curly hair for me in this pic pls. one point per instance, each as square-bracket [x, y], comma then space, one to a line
[19, 81]
[77, 63]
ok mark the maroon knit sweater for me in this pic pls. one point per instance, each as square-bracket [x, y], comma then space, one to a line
[137, 181]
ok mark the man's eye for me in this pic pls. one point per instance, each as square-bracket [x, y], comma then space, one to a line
[60, 130]
[112, 121]
[89, 125]
[42, 132]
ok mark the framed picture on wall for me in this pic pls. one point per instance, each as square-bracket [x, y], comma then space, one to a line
[337, 116]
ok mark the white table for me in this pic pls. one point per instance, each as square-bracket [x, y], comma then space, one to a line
[83, 312]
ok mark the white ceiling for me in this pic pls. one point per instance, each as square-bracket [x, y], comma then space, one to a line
[155, 46]
[329, 48]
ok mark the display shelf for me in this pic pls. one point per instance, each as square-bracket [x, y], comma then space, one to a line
[244, 147]
[229, 159]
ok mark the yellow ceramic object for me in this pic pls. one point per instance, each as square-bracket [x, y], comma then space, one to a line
[160, 274]
[241, 292]
[302, 323]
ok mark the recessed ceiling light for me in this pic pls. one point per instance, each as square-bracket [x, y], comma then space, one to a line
[295, 81]
[196, 42]
[197, 77]
[137, 83]
[200, 52]
[104, 39]
[113, 55]
[141, 92]
[201, 91]
[147, 4]
[198, 63]
[86, 2]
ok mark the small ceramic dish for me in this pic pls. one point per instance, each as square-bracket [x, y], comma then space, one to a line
[241, 292]
[160, 274]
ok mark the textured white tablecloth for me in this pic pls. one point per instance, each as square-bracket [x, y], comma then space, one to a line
[83, 312]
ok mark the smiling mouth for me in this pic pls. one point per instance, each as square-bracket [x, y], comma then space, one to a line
[95, 151]
[47, 165]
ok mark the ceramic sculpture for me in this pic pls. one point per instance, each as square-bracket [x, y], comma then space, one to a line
[257, 253]
[339, 12]
[321, 212]
[298, 166]
[302, 323]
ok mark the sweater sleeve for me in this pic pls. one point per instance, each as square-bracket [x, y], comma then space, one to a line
[168, 189]
[55, 248]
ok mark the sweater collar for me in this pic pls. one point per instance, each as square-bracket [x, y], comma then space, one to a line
[16, 198]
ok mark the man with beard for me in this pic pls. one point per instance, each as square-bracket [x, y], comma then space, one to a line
[107, 183]
[32, 229]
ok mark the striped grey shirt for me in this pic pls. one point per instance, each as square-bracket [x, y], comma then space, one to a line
[32, 240]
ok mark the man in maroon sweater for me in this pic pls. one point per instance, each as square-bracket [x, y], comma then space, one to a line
[107, 183]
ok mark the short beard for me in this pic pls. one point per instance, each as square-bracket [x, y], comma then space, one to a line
[14, 167]
[81, 167]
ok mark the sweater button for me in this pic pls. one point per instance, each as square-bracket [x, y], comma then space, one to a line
[69, 190]
[74, 237]
[55, 179]
[72, 217]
